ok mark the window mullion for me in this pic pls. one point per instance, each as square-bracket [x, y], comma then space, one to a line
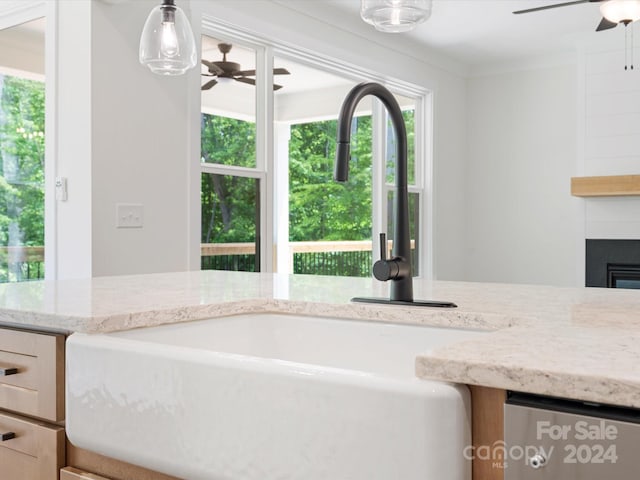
[265, 154]
[378, 167]
[220, 169]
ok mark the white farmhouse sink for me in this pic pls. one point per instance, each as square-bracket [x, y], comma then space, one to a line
[269, 396]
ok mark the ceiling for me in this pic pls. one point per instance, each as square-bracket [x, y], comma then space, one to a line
[472, 33]
[477, 32]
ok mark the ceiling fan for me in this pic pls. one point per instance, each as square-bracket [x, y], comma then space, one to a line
[613, 11]
[231, 70]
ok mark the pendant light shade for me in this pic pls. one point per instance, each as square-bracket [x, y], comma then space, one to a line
[624, 11]
[395, 15]
[167, 45]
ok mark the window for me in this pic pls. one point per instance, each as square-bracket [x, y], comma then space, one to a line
[267, 163]
[22, 159]
[231, 180]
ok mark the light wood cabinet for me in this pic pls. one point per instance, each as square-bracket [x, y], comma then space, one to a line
[487, 429]
[105, 467]
[31, 391]
[32, 373]
[71, 473]
[35, 452]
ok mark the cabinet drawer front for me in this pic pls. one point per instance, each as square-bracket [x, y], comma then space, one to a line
[36, 452]
[35, 385]
[26, 375]
[70, 473]
[26, 434]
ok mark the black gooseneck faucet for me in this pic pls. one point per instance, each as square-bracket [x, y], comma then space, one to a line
[397, 268]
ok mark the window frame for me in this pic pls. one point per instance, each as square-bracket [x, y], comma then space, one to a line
[274, 214]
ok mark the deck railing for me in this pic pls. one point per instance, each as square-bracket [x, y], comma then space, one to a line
[348, 258]
[345, 258]
[18, 264]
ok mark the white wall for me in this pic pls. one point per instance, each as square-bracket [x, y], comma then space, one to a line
[522, 147]
[123, 136]
[611, 142]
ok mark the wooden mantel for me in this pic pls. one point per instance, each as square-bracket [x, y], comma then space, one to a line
[608, 186]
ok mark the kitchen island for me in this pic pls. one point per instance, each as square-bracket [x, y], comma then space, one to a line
[581, 343]
[565, 342]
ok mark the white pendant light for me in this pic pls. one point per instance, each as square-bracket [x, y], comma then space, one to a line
[395, 15]
[625, 11]
[167, 45]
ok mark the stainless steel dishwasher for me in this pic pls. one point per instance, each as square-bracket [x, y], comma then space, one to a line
[557, 439]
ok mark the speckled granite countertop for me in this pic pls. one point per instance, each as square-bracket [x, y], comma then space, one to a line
[569, 342]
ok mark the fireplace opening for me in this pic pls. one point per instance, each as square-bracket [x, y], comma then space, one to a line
[612, 263]
[623, 276]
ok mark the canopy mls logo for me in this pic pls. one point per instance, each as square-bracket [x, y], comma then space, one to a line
[582, 442]
[499, 454]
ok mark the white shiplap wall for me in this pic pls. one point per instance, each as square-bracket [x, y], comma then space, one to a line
[611, 139]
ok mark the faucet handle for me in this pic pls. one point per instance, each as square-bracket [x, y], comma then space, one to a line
[385, 269]
[383, 246]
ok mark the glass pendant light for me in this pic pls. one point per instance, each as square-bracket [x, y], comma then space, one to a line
[395, 15]
[167, 45]
[617, 11]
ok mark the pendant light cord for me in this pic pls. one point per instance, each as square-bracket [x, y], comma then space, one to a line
[628, 49]
[626, 46]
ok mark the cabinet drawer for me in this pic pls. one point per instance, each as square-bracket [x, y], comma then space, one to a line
[36, 452]
[32, 373]
[70, 473]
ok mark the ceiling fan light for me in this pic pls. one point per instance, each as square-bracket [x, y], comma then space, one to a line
[395, 15]
[167, 45]
[621, 10]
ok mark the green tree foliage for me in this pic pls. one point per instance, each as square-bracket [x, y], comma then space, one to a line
[229, 203]
[22, 166]
[319, 207]
[409, 121]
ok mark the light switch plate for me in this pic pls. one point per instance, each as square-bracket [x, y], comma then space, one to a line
[129, 215]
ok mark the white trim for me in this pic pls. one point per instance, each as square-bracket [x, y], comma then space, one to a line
[282, 135]
[266, 49]
[194, 171]
[424, 170]
[219, 169]
[51, 142]
[265, 155]
[379, 188]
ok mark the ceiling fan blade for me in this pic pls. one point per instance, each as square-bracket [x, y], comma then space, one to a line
[605, 25]
[557, 5]
[277, 87]
[209, 84]
[250, 81]
[252, 73]
[213, 68]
